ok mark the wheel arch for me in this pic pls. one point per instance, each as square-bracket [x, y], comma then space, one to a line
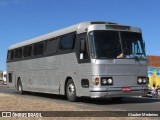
[18, 79]
[17, 82]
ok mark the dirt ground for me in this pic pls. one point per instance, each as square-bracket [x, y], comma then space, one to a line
[9, 102]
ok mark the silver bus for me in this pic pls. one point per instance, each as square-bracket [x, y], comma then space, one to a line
[95, 59]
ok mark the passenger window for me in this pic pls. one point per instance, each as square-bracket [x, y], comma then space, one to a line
[11, 55]
[67, 41]
[27, 51]
[18, 53]
[38, 49]
[51, 46]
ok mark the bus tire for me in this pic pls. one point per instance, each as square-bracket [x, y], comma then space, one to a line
[19, 87]
[71, 91]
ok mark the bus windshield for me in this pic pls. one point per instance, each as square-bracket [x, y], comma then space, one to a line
[116, 44]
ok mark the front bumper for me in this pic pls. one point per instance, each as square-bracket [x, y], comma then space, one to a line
[117, 92]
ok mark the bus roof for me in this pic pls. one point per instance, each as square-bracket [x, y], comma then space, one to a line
[79, 28]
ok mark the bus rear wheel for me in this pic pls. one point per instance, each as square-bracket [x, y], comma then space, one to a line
[71, 91]
[19, 87]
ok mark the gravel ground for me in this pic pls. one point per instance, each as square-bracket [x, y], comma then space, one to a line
[11, 102]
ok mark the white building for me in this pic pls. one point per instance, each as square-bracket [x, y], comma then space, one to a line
[3, 77]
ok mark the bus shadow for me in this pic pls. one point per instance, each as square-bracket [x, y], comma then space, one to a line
[125, 100]
[46, 95]
[97, 101]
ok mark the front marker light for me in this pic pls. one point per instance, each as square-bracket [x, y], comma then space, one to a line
[104, 81]
[96, 81]
[144, 80]
[139, 80]
[110, 81]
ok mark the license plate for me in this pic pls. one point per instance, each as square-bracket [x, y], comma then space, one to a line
[126, 89]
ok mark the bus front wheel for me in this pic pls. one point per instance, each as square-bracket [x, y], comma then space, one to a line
[19, 87]
[71, 91]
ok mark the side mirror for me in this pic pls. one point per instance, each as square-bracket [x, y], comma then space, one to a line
[82, 45]
[82, 48]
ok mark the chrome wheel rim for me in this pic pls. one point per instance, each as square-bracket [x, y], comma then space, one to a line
[19, 88]
[71, 90]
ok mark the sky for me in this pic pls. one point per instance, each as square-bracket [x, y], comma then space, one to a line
[24, 19]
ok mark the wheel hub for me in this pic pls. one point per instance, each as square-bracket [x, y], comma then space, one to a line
[19, 87]
[71, 89]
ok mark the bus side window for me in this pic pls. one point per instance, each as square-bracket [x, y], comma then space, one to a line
[82, 53]
[51, 46]
[27, 51]
[67, 41]
[38, 48]
[82, 49]
[10, 55]
[18, 53]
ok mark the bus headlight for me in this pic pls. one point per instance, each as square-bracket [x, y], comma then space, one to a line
[110, 81]
[142, 80]
[139, 80]
[106, 81]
